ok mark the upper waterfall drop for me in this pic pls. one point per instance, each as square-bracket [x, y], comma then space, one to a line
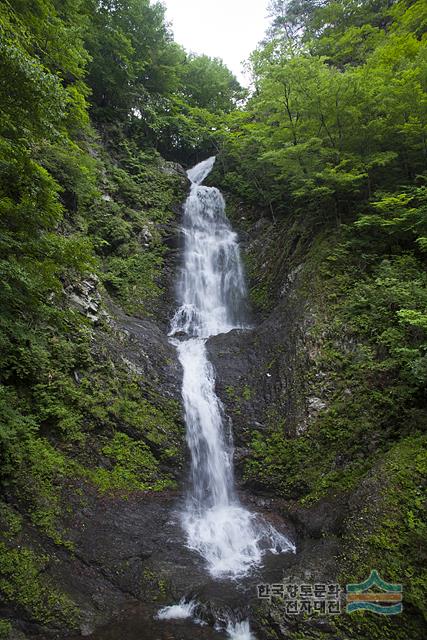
[197, 174]
[212, 300]
[211, 288]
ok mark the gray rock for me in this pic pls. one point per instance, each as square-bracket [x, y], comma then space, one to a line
[174, 168]
[290, 280]
[145, 236]
[315, 404]
[85, 297]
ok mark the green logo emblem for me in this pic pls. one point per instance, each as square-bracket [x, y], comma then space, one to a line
[387, 601]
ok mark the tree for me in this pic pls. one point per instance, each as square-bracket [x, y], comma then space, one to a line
[133, 55]
[209, 84]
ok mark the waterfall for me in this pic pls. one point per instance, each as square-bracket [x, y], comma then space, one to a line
[212, 300]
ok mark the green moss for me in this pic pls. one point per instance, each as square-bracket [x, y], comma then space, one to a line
[11, 521]
[261, 297]
[5, 629]
[156, 586]
[40, 487]
[23, 582]
[134, 467]
[367, 626]
[237, 396]
[276, 462]
[260, 290]
[390, 532]
[230, 391]
[246, 392]
[157, 425]
[363, 626]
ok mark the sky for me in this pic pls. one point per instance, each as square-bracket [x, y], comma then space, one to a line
[227, 29]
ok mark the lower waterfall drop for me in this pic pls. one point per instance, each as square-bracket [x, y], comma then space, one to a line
[212, 297]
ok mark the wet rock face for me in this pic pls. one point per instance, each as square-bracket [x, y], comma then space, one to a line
[172, 261]
[260, 375]
[264, 375]
[173, 243]
[146, 351]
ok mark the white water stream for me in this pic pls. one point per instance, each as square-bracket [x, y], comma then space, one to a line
[212, 296]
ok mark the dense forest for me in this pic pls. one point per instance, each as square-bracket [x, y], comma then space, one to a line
[323, 161]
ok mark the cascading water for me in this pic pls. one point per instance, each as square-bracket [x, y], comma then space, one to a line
[212, 296]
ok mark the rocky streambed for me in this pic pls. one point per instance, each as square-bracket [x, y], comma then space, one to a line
[130, 560]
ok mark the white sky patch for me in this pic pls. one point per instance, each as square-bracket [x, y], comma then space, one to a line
[227, 29]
